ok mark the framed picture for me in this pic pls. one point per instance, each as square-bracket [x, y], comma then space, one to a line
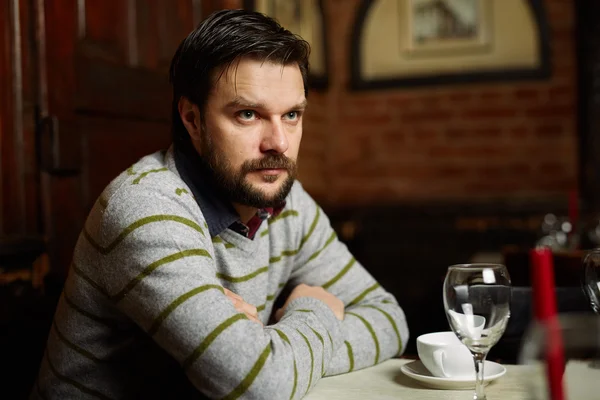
[436, 27]
[305, 18]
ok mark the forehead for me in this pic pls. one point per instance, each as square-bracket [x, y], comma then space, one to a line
[260, 81]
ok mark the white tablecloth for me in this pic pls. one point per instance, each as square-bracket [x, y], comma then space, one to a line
[386, 381]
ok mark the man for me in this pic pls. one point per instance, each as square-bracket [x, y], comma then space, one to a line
[174, 279]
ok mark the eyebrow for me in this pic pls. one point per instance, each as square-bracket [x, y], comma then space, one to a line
[241, 102]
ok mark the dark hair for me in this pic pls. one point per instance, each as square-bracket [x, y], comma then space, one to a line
[221, 39]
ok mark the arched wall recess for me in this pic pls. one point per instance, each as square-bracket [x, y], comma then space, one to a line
[407, 43]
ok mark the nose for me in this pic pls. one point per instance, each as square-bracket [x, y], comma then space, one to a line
[274, 138]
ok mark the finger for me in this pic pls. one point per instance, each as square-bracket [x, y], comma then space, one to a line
[248, 308]
[253, 318]
[233, 295]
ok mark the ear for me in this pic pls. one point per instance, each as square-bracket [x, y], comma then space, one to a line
[190, 116]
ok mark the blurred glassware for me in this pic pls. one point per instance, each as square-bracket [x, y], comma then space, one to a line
[590, 281]
[557, 233]
[580, 334]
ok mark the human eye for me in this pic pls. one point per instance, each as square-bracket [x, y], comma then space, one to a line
[292, 115]
[246, 115]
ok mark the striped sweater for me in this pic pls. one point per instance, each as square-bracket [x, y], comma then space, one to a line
[143, 313]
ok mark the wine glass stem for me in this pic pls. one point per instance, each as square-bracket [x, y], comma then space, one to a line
[479, 358]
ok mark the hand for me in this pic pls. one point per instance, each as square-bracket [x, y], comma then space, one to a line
[243, 307]
[316, 292]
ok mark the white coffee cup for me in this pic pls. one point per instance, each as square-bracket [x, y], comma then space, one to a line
[445, 356]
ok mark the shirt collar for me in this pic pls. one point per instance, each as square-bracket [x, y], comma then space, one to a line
[218, 212]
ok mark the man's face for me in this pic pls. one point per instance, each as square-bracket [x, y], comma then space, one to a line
[252, 129]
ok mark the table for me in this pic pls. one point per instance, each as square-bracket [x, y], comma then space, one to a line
[386, 381]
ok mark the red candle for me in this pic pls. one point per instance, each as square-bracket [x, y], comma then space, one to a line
[544, 302]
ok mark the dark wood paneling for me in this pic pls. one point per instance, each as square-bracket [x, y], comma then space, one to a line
[18, 186]
[115, 41]
[116, 90]
[109, 94]
[588, 55]
[104, 160]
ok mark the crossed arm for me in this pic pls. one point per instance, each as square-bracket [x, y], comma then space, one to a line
[170, 289]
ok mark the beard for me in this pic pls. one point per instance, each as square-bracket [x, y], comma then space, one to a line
[234, 185]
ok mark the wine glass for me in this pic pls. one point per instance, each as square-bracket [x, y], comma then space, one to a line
[591, 279]
[477, 304]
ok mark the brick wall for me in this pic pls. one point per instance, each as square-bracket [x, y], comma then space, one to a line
[500, 140]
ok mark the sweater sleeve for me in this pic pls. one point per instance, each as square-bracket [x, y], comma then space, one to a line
[374, 327]
[159, 269]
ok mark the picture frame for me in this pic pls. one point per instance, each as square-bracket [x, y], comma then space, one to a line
[438, 27]
[360, 82]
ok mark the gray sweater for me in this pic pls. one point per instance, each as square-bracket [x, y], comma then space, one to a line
[143, 313]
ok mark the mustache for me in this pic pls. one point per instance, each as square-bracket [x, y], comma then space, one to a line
[272, 161]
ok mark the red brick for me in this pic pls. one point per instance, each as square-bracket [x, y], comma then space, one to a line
[491, 95]
[426, 136]
[430, 101]
[460, 97]
[489, 113]
[561, 92]
[400, 102]
[527, 94]
[451, 171]
[519, 131]
[427, 116]
[549, 131]
[552, 167]
[551, 111]
[371, 120]
[460, 133]
[464, 152]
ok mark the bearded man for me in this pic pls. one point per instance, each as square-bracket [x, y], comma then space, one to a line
[176, 274]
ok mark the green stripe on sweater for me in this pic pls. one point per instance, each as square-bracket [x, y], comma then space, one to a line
[392, 322]
[340, 274]
[74, 383]
[350, 355]
[137, 224]
[362, 295]
[238, 279]
[227, 245]
[285, 214]
[288, 253]
[312, 359]
[371, 331]
[146, 173]
[313, 225]
[111, 323]
[318, 335]
[102, 201]
[78, 271]
[287, 340]
[245, 384]
[284, 253]
[210, 338]
[327, 243]
[74, 347]
[157, 264]
[176, 303]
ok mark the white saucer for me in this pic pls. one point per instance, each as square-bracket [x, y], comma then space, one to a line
[418, 372]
